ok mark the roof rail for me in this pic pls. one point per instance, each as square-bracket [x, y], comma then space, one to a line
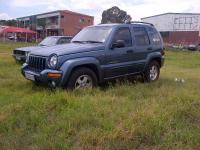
[138, 22]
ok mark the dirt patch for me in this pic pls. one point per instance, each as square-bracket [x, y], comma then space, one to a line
[3, 117]
[4, 53]
[195, 120]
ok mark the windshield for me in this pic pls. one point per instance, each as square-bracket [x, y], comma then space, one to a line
[92, 35]
[49, 41]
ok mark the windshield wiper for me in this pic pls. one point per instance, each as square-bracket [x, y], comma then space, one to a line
[77, 41]
[42, 45]
[86, 42]
[93, 42]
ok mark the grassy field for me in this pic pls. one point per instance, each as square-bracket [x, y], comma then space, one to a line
[160, 115]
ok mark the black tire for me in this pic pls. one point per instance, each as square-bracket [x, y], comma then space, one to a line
[79, 72]
[147, 75]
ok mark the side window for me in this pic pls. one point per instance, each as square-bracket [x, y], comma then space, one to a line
[64, 40]
[67, 40]
[123, 34]
[154, 36]
[141, 36]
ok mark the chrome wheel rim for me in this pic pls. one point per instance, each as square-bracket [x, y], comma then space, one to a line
[84, 81]
[153, 72]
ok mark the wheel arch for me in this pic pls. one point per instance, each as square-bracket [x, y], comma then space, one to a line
[157, 59]
[69, 66]
[90, 66]
[156, 56]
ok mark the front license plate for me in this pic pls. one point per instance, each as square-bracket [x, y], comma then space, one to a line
[29, 76]
[18, 58]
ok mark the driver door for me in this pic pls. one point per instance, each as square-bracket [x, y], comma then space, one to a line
[118, 58]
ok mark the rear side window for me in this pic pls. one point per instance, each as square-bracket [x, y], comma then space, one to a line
[141, 36]
[123, 34]
[155, 37]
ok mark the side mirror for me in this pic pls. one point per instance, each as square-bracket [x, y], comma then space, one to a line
[118, 44]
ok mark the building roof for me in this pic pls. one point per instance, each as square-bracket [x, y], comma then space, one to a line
[64, 11]
[6, 29]
[71, 12]
[171, 14]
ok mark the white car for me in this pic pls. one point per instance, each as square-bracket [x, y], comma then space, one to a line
[20, 54]
[194, 47]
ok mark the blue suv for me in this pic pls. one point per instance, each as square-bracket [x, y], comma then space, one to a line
[97, 54]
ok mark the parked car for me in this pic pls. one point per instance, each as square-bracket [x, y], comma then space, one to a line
[97, 54]
[194, 47]
[20, 54]
[12, 37]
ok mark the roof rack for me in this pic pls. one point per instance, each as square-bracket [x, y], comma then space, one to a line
[138, 22]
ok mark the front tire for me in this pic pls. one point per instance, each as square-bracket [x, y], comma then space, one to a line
[152, 72]
[82, 78]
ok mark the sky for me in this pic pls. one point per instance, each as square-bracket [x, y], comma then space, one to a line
[11, 9]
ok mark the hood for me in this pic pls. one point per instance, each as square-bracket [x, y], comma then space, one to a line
[30, 48]
[65, 49]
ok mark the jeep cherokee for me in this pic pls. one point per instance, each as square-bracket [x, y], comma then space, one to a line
[97, 54]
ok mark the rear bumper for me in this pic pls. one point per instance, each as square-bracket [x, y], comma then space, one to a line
[43, 76]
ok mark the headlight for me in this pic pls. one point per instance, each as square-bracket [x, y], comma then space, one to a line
[53, 60]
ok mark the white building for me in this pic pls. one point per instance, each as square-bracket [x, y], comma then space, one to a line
[175, 21]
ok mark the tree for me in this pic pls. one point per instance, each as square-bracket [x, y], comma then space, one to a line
[115, 15]
[8, 22]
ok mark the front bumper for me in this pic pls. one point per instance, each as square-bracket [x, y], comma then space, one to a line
[43, 76]
[21, 58]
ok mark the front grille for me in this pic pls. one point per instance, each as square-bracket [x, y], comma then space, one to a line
[18, 52]
[37, 63]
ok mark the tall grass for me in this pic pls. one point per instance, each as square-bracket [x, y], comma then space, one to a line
[160, 115]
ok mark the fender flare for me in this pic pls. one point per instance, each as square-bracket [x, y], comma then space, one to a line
[69, 65]
[150, 57]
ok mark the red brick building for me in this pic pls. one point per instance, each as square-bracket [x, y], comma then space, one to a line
[181, 37]
[61, 22]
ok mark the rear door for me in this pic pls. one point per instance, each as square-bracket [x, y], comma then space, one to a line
[142, 47]
[118, 59]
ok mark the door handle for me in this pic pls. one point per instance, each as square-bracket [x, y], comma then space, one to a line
[150, 48]
[129, 51]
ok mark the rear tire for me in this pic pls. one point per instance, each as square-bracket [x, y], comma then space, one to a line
[82, 78]
[152, 72]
